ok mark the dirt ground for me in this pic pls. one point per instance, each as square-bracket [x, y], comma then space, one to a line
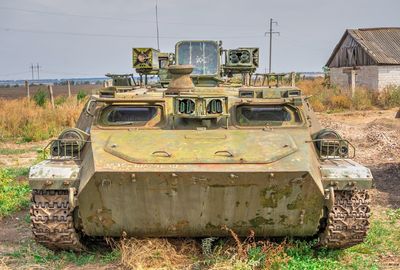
[374, 134]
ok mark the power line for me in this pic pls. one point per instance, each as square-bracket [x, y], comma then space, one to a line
[7, 29]
[15, 73]
[52, 13]
[66, 73]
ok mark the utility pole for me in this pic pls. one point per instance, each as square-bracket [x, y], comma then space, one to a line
[158, 35]
[270, 33]
[38, 73]
[32, 69]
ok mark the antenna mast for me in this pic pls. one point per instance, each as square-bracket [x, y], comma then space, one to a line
[158, 35]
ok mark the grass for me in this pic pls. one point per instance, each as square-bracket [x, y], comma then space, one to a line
[16, 151]
[24, 120]
[14, 195]
[383, 240]
[34, 256]
[34, 120]
[335, 99]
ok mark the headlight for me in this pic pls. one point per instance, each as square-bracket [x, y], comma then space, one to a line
[69, 143]
[330, 144]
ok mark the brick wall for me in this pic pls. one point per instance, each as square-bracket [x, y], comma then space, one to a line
[371, 77]
[388, 75]
[366, 76]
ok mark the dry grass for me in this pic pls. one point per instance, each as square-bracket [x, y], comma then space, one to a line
[259, 254]
[157, 254]
[325, 98]
[233, 253]
[23, 119]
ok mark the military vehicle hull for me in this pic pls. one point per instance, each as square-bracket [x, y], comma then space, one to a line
[199, 204]
[176, 198]
[285, 195]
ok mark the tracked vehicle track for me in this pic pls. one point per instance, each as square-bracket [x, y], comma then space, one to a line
[52, 220]
[347, 223]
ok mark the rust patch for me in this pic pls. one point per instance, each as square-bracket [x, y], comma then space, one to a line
[260, 221]
[282, 219]
[210, 226]
[298, 203]
[179, 225]
[102, 218]
[271, 195]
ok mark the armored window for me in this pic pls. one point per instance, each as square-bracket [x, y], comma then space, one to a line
[130, 115]
[203, 55]
[266, 115]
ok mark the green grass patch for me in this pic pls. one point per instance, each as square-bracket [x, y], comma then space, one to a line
[10, 151]
[14, 195]
[33, 254]
[383, 239]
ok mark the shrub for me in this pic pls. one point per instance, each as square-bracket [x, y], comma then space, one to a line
[317, 105]
[340, 102]
[362, 99]
[389, 97]
[60, 100]
[40, 97]
[81, 95]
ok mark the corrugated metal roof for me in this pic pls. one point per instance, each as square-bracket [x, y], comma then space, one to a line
[382, 44]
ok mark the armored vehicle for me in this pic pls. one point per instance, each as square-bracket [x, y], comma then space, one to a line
[197, 152]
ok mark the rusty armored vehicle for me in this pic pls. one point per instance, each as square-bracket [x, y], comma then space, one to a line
[184, 155]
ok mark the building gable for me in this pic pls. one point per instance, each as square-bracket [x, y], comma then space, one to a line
[364, 47]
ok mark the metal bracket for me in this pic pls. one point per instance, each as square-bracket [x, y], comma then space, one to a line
[71, 198]
[330, 197]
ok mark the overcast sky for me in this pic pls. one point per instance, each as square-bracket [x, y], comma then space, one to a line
[84, 38]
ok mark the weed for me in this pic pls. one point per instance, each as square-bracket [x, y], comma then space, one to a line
[389, 97]
[81, 95]
[340, 102]
[362, 99]
[14, 195]
[40, 97]
[393, 215]
[37, 257]
[60, 100]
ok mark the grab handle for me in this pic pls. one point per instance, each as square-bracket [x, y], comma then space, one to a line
[166, 154]
[229, 154]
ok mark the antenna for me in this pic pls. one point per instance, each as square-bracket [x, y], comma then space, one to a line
[158, 36]
[271, 32]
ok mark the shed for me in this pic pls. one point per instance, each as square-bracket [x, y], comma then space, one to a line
[367, 57]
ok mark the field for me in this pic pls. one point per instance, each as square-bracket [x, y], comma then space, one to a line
[374, 133]
[59, 90]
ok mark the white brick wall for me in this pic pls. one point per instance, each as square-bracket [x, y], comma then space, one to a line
[371, 77]
[388, 75]
[366, 76]
[338, 77]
